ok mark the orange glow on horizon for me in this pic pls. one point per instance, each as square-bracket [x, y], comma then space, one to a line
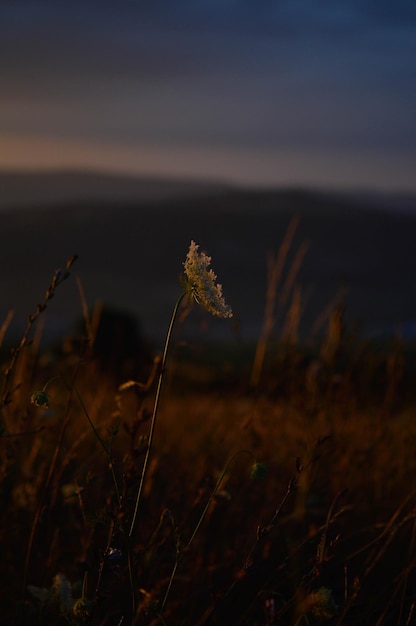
[243, 167]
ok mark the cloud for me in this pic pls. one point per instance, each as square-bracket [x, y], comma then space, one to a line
[333, 169]
[161, 40]
[232, 73]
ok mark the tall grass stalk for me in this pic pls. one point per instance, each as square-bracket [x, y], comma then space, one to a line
[215, 491]
[6, 393]
[154, 413]
[5, 325]
[275, 268]
[41, 399]
[46, 487]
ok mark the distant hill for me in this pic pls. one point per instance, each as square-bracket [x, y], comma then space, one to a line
[131, 250]
[48, 188]
[42, 189]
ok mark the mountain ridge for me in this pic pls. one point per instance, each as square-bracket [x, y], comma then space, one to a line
[46, 188]
[130, 256]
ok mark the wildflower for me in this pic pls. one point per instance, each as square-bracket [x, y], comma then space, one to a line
[201, 283]
[40, 398]
[321, 603]
[114, 554]
[59, 594]
[258, 471]
[62, 589]
[82, 608]
[44, 596]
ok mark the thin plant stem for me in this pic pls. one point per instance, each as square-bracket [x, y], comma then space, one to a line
[275, 267]
[94, 430]
[155, 409]
[47, 484]
[102, 443]
[215, 491]
[5, 325]
[6, 392]
[201, 519]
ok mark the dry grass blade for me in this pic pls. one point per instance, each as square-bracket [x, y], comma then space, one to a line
[5, 325]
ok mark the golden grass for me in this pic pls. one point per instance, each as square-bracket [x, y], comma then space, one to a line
[327, 537]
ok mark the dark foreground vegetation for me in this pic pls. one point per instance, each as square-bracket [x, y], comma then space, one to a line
[280, 489]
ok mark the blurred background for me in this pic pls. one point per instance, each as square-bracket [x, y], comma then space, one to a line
[128, 129]
[290, 92]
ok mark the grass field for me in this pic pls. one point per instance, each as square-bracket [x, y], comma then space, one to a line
[131, 252]
[270, 490]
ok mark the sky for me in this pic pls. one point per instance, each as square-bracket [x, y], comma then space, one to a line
[256, 92]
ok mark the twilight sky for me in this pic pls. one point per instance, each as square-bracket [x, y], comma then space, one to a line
[312, 92]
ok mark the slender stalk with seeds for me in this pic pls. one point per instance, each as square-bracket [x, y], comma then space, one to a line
[6, 392]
